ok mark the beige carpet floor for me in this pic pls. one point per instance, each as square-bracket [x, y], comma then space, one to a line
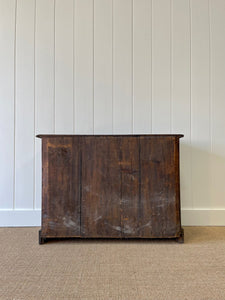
[113, 269]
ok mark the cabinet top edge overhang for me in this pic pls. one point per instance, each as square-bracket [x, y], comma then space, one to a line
[109, 135]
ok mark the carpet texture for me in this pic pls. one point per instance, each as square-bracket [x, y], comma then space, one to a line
[120, 270]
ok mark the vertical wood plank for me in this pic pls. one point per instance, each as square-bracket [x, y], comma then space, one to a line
[103, 66]
[64, 66]
[142, 66]
[83, 60]
[161, 60]
[44, 82]
[130, 186]
[181, 93]
[61, 202]
[101, 187]
[217, 14]
[7, 37]
[24, 105]
[200, 93]
[122, 66]
[158, 192]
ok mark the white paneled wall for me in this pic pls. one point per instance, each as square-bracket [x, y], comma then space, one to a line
[7, 102]
[110, 67]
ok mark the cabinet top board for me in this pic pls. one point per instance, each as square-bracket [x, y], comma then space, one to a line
[109, 135]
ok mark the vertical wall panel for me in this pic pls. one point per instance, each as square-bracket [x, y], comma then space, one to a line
[122, 66]
[142, 26]
[64, 66]
[181, 101]
[44, 66]
[103, 66]
[24, 105]
[83, 58]
[44, 82]
[200, 93]
[7, 37]
[218, 101]
[161, 55]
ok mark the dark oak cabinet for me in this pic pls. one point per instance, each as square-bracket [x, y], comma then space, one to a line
[110, 186]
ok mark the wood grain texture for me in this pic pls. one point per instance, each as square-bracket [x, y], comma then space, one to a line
[159, 187]
[101, 186]
[130, 181]
[61, 205]
[111, 186]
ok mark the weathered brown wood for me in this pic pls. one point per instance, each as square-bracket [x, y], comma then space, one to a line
[129, 177]
[60, 187]
[159, 197]
[100, 203]
[121, 186]
[180, 238]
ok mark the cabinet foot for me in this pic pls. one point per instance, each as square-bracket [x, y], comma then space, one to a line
[180, 239]
[41, 239]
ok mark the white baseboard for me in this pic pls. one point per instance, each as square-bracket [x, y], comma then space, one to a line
[203, 217]
[20, 218]
[189, 217]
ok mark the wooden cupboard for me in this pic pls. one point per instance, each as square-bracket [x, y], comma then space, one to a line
[110, 186]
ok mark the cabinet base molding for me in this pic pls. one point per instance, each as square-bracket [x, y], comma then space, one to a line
[43, 239]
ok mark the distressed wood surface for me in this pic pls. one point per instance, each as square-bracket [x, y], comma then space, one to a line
[121, 186]
[101, 185]
[130, 181]
[159, 186]
[60, 187]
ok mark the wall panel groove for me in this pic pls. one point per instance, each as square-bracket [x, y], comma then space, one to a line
[35, 103]
[191, 202]
[14, 110]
